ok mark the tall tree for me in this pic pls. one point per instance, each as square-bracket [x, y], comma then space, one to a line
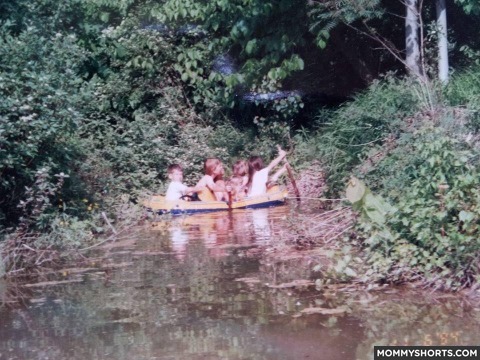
[442, 41]
[412, 38]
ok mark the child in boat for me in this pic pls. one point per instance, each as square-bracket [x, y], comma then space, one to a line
[240, 169]
[258, 174]
[176, 189]
[213, 169]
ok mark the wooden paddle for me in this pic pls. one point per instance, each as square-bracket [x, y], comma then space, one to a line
[229, 200]
[229, 190]
[292, 180]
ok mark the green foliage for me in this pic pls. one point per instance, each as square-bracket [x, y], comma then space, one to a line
[39, 110]
[326, 15]
[69, 232]
[462, 91]
[37, 207]
[471, 54]
[84, 18]
[237, 143]
[264, 46]
[370, 206]
[344, 134]
[469, 6]
[433, 234]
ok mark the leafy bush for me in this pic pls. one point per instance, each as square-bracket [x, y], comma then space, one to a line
[39, 109]
[433, 234]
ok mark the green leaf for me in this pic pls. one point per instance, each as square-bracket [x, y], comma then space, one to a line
[355, 190]
[300, 64]
[466, 216]
[104, 16]
[251, 46]
[321, 43]
[272, 74]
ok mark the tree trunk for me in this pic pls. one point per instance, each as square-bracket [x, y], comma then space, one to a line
[412, 41]
[442, 41]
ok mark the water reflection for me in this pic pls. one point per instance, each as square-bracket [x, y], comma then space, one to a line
[261, 226]
[220, 232]
[181, 299]
[179, 240]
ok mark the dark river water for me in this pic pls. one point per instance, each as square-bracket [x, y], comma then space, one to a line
[197, 287]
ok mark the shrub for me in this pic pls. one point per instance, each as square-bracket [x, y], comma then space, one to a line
[433, 234]
[39, 109]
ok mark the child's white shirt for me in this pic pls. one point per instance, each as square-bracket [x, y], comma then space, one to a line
[259, 183]
[175, 191]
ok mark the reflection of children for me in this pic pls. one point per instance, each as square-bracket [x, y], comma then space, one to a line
[261, 226]
[176, 189]
[258, 174]
[213, 168]
[179, 240]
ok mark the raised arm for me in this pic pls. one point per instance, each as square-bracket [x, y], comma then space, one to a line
[281, 154]
[278, 173]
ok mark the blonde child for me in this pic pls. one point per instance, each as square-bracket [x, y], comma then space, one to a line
[258, 174]
[176, 189]
[212, 179]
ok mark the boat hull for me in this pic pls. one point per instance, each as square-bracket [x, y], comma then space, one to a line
[159, 205]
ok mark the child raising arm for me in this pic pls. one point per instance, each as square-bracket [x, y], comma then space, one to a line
[258, 174]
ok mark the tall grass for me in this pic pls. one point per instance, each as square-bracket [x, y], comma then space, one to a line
[464, 91]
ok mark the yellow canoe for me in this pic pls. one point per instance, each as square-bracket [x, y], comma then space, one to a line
[157, 203]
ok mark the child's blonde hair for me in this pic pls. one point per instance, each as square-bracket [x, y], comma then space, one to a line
[210, 165]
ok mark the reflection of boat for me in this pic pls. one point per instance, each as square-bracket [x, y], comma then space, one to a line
[275, 196]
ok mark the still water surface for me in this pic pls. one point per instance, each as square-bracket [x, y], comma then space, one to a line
[197, 288]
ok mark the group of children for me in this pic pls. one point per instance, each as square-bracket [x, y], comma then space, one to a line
[249, 178]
